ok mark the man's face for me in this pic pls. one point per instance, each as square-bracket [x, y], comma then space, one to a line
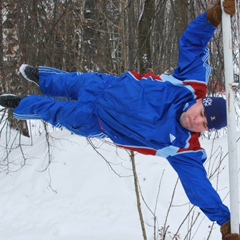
[194, 118]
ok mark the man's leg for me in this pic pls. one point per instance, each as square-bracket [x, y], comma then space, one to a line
[58, 85]
[72, 85]
[71, 115]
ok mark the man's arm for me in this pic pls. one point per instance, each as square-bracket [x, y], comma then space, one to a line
[193, 176]
[193, 51]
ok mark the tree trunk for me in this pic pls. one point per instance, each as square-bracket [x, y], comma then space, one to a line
[144, 36]
[131, 36]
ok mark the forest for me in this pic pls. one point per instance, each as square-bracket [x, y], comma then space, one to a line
[100, 36]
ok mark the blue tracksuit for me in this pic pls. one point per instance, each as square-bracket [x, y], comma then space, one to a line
[137, 112]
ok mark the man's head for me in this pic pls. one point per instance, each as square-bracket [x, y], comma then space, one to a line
[205, 114]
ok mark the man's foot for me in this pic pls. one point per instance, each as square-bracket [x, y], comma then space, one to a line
[10, 100]
[30, 73]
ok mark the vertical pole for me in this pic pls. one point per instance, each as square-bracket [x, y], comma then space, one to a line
[232, 127]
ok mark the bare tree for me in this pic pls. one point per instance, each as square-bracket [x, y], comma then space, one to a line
[145, 27]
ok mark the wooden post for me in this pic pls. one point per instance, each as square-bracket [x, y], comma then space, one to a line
[231, 118]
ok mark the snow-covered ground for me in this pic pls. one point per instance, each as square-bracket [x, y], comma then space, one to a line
[80, 197]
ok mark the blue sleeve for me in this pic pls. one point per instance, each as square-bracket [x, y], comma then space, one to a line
[193, 176]
[193, 51]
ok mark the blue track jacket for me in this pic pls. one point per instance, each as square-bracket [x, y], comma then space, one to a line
[140, 113]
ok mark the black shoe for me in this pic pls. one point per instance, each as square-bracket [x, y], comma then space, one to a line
[30, 73]
[10, 100]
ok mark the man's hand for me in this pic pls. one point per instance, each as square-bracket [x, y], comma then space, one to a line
[214, 14]
[226, 232]
[229, 7]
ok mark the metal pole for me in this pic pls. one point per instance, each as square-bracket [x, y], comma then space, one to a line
[232, 126]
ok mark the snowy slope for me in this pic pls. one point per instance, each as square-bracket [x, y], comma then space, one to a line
[80, 197]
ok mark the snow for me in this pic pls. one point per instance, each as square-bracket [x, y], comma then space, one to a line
[79, 196]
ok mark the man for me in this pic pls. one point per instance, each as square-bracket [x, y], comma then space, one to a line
[158, 115]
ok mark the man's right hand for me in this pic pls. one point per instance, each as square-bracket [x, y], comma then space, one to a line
[229, 7]
[214, 14]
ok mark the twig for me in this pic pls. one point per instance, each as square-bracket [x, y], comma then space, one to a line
[136, 184]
